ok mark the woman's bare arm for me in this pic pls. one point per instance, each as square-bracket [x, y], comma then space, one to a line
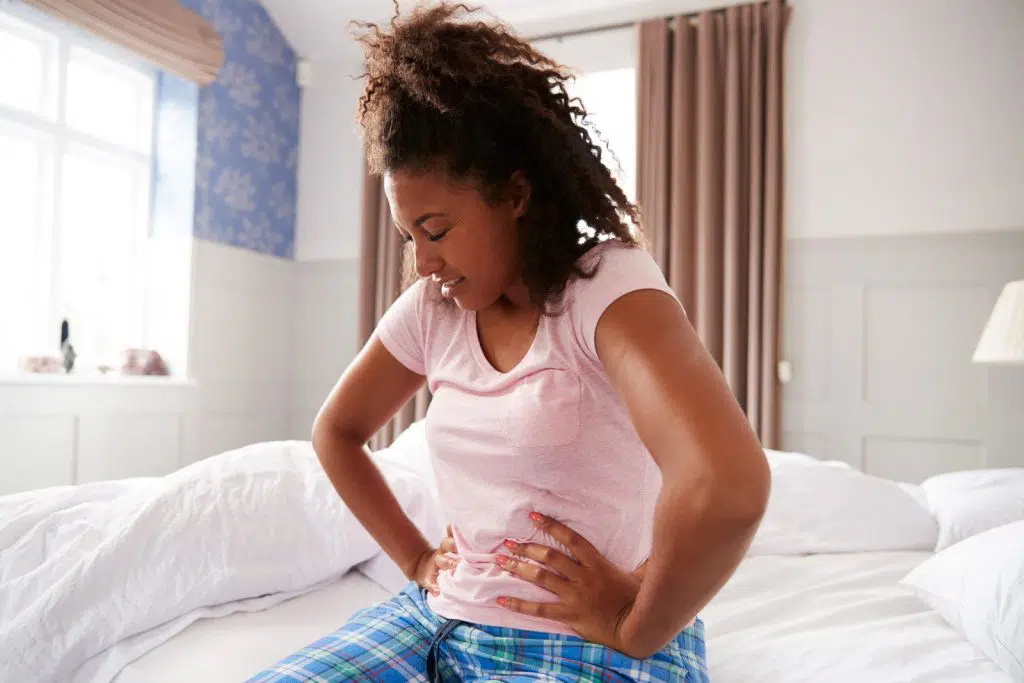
[715, 475]
[373, 388]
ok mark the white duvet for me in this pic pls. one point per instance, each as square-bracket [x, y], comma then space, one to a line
[91, 577]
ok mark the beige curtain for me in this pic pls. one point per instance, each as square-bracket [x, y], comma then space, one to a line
[380, 284]
[163, 32]
[709, 183]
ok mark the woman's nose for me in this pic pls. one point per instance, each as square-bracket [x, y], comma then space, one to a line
[428, 261]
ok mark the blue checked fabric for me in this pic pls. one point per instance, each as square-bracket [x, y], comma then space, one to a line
[390, 643]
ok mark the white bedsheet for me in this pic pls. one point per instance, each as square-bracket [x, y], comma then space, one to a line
[233, 648]
[814, 619]
[834, 619]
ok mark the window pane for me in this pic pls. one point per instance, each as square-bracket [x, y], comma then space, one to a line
[610, 100]
[20, 202]
[22, 68]
[109, 100]
[101, 208]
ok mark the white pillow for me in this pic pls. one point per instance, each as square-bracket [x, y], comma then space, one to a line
[978, 587]
[972, 501]
[830, 507]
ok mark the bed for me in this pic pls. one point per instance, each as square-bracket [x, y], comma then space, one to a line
[780, 620]
[851, 577]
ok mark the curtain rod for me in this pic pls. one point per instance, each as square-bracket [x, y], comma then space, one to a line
[583, 31]
[691, 16]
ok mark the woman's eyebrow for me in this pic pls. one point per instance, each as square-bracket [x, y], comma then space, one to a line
[425, 217]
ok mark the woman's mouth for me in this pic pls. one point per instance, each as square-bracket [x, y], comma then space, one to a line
[449, 285]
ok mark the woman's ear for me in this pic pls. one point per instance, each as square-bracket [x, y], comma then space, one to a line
[519, 191]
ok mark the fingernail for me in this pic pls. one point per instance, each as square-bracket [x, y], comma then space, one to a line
[511, 545]
[503, 602]
[536, 517]
[501, 559]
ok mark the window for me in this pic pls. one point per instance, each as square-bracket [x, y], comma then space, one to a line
[609, 96]
[604, 65]
[76, 136]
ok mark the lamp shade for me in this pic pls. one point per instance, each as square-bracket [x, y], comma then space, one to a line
[1002, 340]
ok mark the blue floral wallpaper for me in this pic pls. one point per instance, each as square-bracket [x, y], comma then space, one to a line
[248, 134]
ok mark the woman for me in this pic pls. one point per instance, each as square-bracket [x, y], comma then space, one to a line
[601, 480]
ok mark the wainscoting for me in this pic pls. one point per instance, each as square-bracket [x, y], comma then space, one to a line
[879, 332]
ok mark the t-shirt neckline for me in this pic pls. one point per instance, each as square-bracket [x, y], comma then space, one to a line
[477, 349]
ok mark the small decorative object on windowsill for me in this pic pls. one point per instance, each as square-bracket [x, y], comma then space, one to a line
[143, 362]
[67, 351]
[40, 365]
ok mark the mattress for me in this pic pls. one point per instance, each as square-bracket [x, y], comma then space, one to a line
[809, 619]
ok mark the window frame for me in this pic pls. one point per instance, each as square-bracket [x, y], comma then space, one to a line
[48, 129]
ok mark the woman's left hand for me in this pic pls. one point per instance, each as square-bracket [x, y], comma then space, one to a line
[594, 595]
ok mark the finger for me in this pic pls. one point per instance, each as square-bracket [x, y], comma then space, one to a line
[544, 610]
[447, 545]
[444, 562]
[534, 574]
[580, 547]
[431, 582]
[450, 534]
[548, 556]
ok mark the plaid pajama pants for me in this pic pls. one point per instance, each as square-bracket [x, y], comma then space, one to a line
[404, 640]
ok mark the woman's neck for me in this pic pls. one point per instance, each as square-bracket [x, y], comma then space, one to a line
[515, 300]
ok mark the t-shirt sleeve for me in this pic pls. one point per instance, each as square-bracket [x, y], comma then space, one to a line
[621, 269]
[400, 329]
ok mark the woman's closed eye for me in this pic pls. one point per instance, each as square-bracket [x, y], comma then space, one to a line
[431, 237]
[438, 236]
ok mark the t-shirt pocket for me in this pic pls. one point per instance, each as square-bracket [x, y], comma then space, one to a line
[544, 409]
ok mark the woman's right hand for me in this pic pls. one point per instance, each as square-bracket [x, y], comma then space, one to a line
[434, 561]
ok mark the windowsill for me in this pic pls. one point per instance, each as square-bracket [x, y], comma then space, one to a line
[96, 380]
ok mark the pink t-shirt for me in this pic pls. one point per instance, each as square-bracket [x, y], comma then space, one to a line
[551, 435]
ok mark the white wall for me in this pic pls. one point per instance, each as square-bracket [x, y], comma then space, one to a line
[324, 322]
[242, 349]
[611, 49]
[326, 271]
[905, 117]
[330, 166]
[57, 431]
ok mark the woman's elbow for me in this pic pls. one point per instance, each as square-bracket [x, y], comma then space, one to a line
[751, 489]
[759, 485]
[739, 494]
[327, 434]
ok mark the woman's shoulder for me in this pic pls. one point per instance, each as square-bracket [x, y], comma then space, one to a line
[617, 265]
[612, 270]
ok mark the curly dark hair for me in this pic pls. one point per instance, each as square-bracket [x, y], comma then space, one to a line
[477, 101]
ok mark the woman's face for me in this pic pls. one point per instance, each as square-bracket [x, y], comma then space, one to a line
[462, 241]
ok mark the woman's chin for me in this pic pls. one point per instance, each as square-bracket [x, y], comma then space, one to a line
[465, 303]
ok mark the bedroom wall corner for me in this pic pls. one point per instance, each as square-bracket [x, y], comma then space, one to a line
[324, 323]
